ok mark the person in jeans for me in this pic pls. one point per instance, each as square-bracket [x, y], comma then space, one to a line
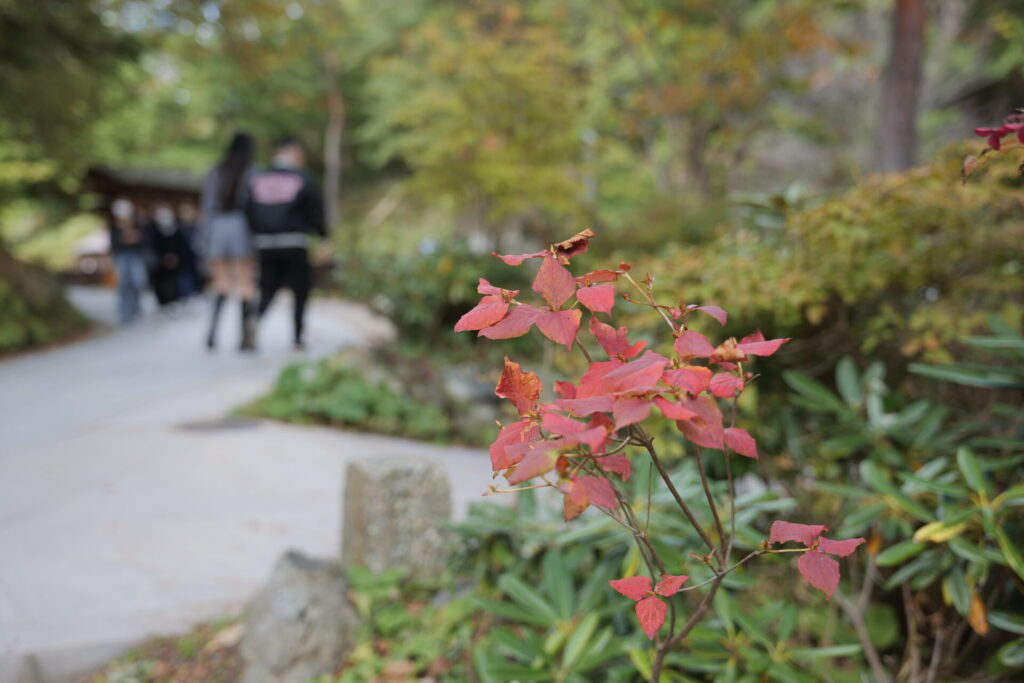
[225, 238]
[128, 244]
[285, 209]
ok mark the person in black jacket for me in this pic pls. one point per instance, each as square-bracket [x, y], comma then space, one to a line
[284, 210]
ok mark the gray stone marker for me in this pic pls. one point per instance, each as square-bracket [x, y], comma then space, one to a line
[394, 511]
[300, 625]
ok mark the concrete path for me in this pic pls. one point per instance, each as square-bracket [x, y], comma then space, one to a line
[129, 508]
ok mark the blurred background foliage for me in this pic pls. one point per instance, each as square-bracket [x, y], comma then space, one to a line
[731, 147]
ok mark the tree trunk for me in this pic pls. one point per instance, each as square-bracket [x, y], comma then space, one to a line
[896, 139]
[333, 136]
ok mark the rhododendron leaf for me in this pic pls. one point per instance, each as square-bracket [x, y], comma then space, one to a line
[490, 311]
[581, 407]
[598, 298]
[755, 344]
[517, 322]
[554, 283]
[651, 613]
[673, 411]
[669, 584]
[840, 548]
[740, 441]
[522, 388]
[540, 460]
[575, 245]
[485, 287]
[715, 312]
[629, 411]
[565, 389]
[820, 570]
[692, 379]
[705, 429]
[801, 533]
[634, 588]
[692, 344]
[520, 432]
[725, 385]
[599, 491]
[517, 259]
[619, 464]
[615, 342]
[560, 326]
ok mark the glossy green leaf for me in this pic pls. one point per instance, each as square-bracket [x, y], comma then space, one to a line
[970, 467]
[819, 396]
[848, 381]
[899, 553]
[956, 591]
[826, 652]
[527, 598]
[1011, 655]
[874, 475]
[1010, 552]
[1007, 621]
[577, 644]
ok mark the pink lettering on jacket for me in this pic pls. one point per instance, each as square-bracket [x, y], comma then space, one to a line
[275, 188]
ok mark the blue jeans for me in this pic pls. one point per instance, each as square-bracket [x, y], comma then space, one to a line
[131, 281]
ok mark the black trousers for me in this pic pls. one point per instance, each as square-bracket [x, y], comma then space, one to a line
[286, 268]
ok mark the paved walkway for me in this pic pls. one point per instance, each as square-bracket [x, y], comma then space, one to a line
[128, 508]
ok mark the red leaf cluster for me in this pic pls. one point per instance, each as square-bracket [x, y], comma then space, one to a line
[1012, 124]
[650, 608]
[815, 565]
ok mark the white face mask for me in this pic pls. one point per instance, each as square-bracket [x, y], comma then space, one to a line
[122, 208]
[164, 219]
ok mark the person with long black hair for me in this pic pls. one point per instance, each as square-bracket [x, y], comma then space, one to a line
[225, 238]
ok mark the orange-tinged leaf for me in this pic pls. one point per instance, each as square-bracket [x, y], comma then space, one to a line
[729, 352]
[670, 584]
[740, 441]
[692, 344]
[575, 245]
[615, 342]
[554, 283]
[977, 615]
[651, 613]
[517, 433]
[575, 501]
[485, 287]
[539, 461]
[597, 298]
[490, 311]
[560, 326]
[596, 276]
[634, 588]
[522, 388]
[619, 464]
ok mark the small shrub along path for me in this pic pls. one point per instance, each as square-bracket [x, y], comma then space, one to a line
[129, 505]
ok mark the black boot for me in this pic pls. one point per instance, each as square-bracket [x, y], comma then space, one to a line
[248, 327]
[211, 337]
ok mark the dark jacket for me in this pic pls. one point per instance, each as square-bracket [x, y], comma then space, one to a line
[284, 207]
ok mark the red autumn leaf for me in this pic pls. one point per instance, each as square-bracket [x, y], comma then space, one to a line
[715, 312]
[599, 491]
[634, 588]
[789, 531]
[692, 344]
[629, 411]
[490, 311]
[692, 379]
[820, 570]
[575, 245]
[517, 323]
[581, 407]
[615, 342]
[560, 424]
[593, 437]
[594, 382]
[522, 388]
[565, 389]
[740, 441]
[725, 385]
[669, 584]
[517, 259]
[598, 298]
[641, 374]
[575, 501]
[485, 287]
[994, 135]
[560, 326]
[755, 344]
[673, 411]
[840, 548]
[619, 464]
[651, 613]
[706, 428]
[596, 276]
[517, 433]
[538, 461]
[554, 283]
